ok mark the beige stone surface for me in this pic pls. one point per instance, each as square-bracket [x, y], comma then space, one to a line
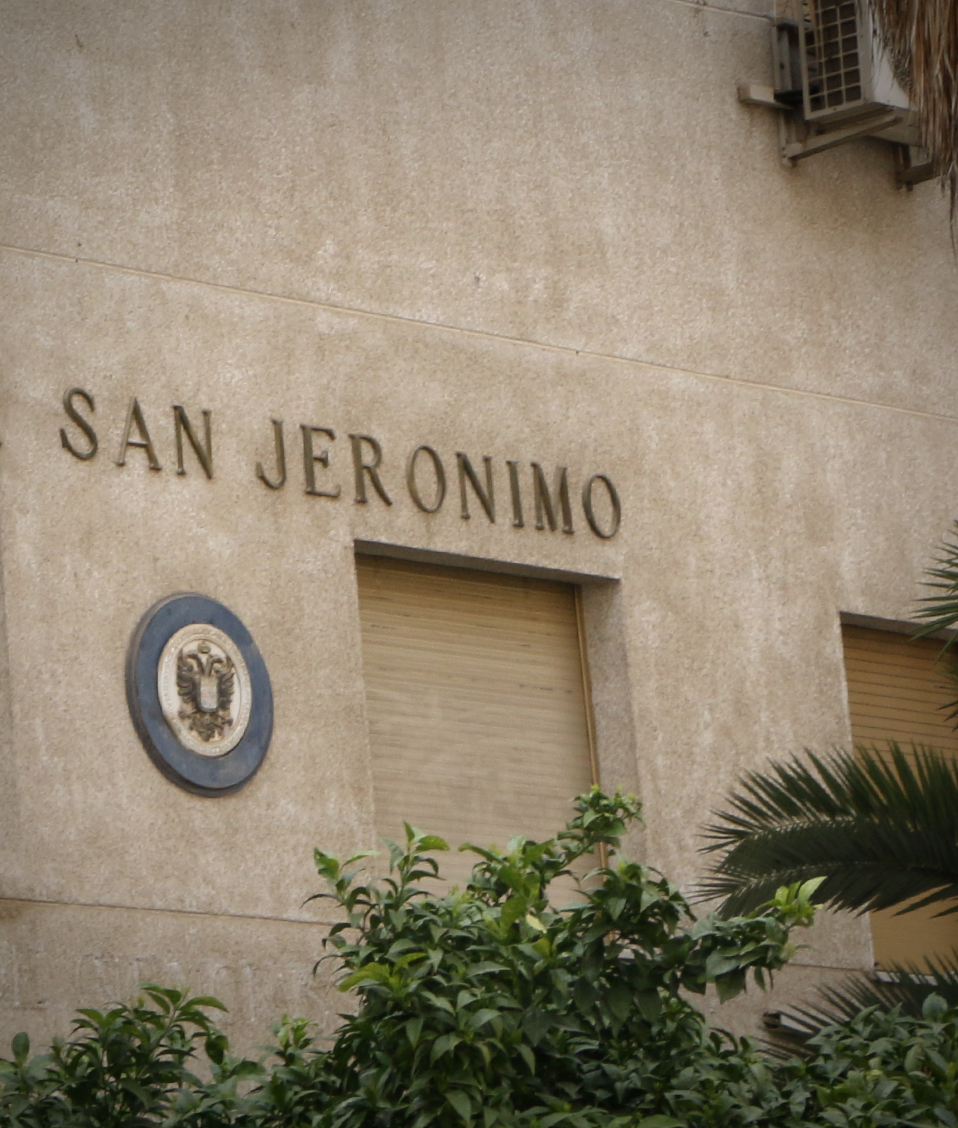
[54, 958]
[751, 518]
[543, 232]
[577, 174]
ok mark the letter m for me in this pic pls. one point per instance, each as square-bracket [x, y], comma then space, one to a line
[548, 504]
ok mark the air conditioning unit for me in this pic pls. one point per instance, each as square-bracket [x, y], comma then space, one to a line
[845, 74]
[834, 83]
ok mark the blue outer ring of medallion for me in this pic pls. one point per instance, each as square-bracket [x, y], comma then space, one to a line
[203, 775]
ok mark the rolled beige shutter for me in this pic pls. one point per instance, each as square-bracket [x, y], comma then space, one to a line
[476, 703]
[895, 692]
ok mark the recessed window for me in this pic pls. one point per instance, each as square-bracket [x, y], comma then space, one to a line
[476, 702]
[895, 692]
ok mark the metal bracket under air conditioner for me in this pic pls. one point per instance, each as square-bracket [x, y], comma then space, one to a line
[819, 142]
[806, 142]
[908, 173]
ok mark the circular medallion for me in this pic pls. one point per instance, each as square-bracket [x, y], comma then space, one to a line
[204, 689]
[199, 694]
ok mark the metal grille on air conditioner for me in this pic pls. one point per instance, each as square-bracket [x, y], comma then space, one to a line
[834, 83]
[832, 57]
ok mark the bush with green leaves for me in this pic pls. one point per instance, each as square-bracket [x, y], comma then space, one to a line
[489, 1005]
[879, 1068]
[121, 1069]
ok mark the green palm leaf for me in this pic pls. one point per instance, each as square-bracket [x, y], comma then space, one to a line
[906, 988]
[941, 612]
[880, 826]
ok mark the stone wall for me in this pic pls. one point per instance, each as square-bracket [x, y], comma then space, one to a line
[524, 230]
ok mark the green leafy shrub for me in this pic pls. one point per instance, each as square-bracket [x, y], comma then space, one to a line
[879, 1068]
[489, 1006]
[121, 1069]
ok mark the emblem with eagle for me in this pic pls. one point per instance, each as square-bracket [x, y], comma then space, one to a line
[204, 680]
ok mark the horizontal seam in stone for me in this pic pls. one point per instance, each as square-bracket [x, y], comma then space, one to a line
[722, 8]
[567, 350]
[159, 909]
[278, 920]
[825, 967]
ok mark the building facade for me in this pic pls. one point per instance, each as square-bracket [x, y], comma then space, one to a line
[485, 361]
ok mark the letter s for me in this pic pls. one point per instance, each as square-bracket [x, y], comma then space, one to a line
[85, 427]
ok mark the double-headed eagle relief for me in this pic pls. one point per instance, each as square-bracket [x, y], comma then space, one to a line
[204, 689]
[204, 680]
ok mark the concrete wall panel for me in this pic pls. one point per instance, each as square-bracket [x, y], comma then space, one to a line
[541, 232]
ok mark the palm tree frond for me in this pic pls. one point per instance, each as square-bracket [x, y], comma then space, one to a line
[904, 987]
[940, 610]
[878, 825]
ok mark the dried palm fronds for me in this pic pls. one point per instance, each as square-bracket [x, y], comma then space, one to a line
[921, 38]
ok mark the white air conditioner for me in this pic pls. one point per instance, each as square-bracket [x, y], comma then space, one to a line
[833, 84]
[845, 73]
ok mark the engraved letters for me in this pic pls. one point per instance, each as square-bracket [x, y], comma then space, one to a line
[181, 425]
[614, 503]
[83, 424]
[310, 458]
[361, 468]
[413, 484]
[134, 417]
[425, 473]
[486, 495]
[280, 459]
[546, 502]
[514, 489]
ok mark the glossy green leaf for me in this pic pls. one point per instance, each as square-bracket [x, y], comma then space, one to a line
[21, 1046]
[414, 1030]
[461, 1103]
[443, 1045]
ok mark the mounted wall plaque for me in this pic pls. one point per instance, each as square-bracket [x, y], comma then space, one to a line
[199, 694]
